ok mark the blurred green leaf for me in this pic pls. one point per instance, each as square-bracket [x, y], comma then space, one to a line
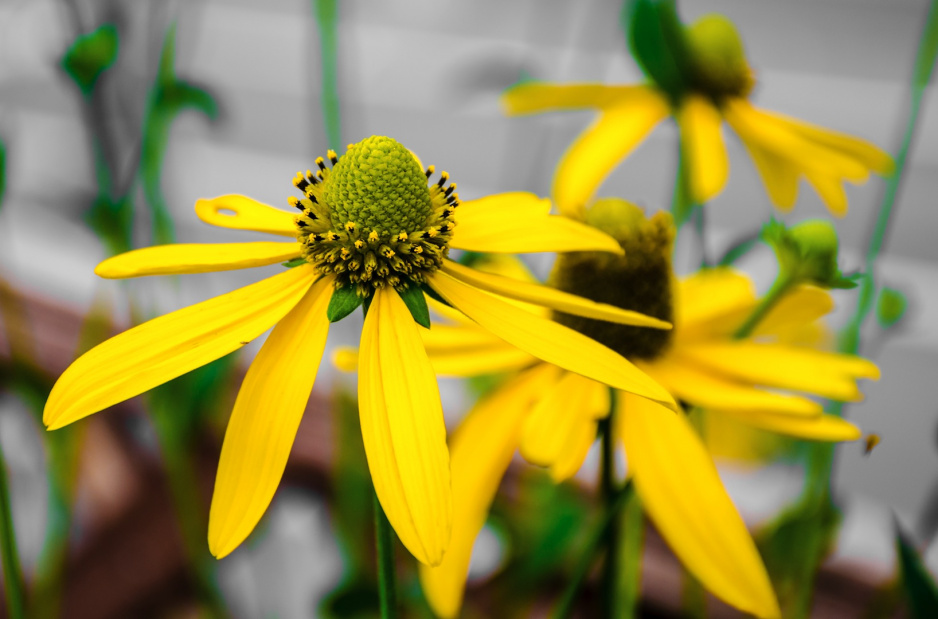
[112, 221]
[928, 50]
[890, 307]
[90, 55]
[656, 40]
[793, 547]
[917, 583]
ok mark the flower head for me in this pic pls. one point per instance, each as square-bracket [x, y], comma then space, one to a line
[551, 415]
[373, 227]
[700, 76]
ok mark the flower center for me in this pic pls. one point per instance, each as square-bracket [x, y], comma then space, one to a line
[718, 59]
[639, 281]
[372, 220]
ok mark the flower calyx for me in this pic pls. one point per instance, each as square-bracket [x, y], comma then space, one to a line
[807, 253]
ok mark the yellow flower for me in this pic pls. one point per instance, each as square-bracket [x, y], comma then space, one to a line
[375, 224]
[715, 87]
[550, 415]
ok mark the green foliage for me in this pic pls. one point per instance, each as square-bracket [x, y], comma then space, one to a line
[343, 302]
[807, 253]
[90, 55]
[416, 302]
[793, 547]
[917, 584]
[891, 306]
[112, 221]
[296, 262]
[657, 41]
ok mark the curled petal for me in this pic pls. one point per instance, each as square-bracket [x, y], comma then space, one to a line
[181, 258]
[702, 139]
[242, 213]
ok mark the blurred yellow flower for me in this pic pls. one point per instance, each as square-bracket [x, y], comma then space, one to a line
[372, 224]
[716, 87]
[550, 415]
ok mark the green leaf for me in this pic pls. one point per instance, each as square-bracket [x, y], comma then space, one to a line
[890, 307]
[90, 55]
[918, 584]
[417, 304]
[343, 302]
[656, 40]
[296, 262]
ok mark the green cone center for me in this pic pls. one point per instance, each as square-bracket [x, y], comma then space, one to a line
[378, 185]
[640, 281]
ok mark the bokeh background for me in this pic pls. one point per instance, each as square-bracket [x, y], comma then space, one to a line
[430, 74]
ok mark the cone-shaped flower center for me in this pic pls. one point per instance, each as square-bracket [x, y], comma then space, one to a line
[718, 59]
[639, 281]
[373, 220]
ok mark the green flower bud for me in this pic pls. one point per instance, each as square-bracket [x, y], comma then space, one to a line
[807, 253]
[717, 57]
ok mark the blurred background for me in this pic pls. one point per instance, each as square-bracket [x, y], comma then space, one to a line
[226, 96]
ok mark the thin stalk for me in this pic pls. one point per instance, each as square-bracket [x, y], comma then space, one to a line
[384, 537]
[12, 574]
[630, 553]
[593, 546]
[610, 606]
[327, 17]
[779, 288]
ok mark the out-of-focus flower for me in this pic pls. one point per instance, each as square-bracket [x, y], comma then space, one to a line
[373, 230]
[706, 80]
[551, 415]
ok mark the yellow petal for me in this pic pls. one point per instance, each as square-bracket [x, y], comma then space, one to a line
[518, 223]
[169, 346]
[195, 258]
[708, 390]
[402, 428]
[478, 361]
[864, 152]
[600, 148]
[558, 412]
[480, 450]
[766, 130]
[535, 97]
[831, 192]
[779, 175]
[550, 297]
[683, 495]
[821, 428]
[243, 213]
[825, 374]
[345, 358]
[265, 418]
[710, 294]
[548, 340]
[802, 306]
[702, 139]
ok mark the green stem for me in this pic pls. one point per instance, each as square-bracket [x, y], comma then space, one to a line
[385, 542]
[593, 546]
[610, 606]
[779, 288]
[12, 575]
[693, 597]
[327, 18]
[630, 552]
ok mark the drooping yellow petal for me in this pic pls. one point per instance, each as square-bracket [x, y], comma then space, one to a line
[184, 258]
[779, 174]
[550, 297]
[821, 428]
[558, 413]
[469, 362]
[242, 213]
[702, 140]
[402, 429]
[831, 191]
[480, 450]
[702, 388]
[265, 418]
[166, 347]
[535, 97]
[864, 152]
[830, 375]
[518, 223]
[548, 340]
[774, 136]
[802, 306]
[683, 495]
[708, 294]
[600, 148]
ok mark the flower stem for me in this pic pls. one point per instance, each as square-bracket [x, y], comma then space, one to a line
[780, 287]
[327, 12]
[385, 542]
[593, 546]
[12, 574]
[610, 577]
[630, 551]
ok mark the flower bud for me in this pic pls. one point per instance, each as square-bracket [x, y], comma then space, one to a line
[807, 253]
